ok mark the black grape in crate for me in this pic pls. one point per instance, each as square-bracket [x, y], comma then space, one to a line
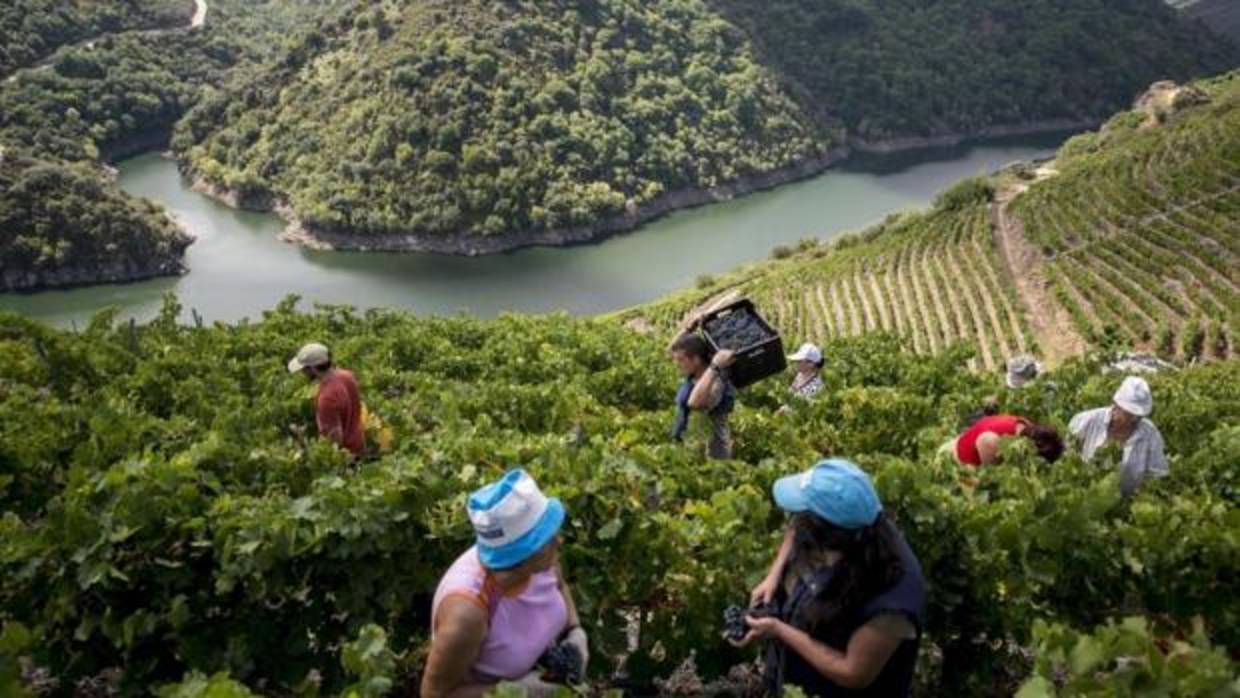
[759, 348]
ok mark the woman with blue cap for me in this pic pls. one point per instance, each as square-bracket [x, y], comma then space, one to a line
[846, 593]
[503, 603]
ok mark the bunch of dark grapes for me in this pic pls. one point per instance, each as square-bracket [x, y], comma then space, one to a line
[736, 331]
[562, 663]
[734, 626]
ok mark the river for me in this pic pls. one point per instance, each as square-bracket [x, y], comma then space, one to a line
[238, 267]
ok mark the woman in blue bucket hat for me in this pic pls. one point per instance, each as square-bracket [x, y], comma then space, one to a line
[845, 598]
[504, 603]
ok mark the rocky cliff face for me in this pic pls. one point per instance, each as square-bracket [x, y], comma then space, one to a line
[111, 271]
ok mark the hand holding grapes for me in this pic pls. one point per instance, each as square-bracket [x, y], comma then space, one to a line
[724, 358]
[760, 628]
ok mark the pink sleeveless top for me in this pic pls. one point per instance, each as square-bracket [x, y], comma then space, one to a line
[524, 622]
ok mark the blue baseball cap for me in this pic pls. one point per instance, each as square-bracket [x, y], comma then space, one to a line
[835, 489]
[513, 520]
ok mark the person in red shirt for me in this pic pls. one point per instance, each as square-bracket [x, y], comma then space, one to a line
[979, 445]
[338, 405]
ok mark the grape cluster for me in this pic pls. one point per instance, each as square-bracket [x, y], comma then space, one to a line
[734, 626]
[737, 331]
[562, 663]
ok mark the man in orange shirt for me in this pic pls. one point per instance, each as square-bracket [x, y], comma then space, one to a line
[338, 405]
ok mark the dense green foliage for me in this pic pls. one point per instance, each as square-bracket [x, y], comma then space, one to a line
[33, 29]
[492, 117]
[119, 96]
[1138, 224]
[1128, 659]
[911, 67]
[166, 511]
[59, 215]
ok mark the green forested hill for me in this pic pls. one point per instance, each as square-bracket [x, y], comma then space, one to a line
[491, 118]
[33, 29]
[64, 225]
[1128, 238]
[118, 95]
[910, 67]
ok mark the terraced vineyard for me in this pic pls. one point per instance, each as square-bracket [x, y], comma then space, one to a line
[933, 279]
[1140, 225]
[1132, 232]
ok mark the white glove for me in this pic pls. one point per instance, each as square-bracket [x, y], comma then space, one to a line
[535, 687]
[577, 638]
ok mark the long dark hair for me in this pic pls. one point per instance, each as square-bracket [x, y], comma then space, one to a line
[870, 564]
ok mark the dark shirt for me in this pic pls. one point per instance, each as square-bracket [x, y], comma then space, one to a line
[906, 597]
[720, 445]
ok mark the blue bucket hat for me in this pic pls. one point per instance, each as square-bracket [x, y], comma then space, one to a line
[512, 520]
[835, 490]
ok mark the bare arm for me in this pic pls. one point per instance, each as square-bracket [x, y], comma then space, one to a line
[460, 628]
[869, 650]
[988, 448]
[709, 388]
[706, 391]
[573, 619]
[765, 592]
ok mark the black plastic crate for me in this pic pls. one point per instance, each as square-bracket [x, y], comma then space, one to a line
[759, 348]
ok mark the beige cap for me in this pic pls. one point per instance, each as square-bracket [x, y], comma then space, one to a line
[311, 355]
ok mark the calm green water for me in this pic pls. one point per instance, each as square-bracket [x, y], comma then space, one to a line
[238, 268]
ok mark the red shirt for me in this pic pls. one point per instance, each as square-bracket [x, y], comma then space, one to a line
[339, 405]
[1001, 424]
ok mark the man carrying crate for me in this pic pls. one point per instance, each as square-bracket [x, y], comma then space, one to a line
[705, 390]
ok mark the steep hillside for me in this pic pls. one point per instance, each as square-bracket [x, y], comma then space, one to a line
[31, 30]
[479, 118]
[163, 499]
[1127, 238]
[1221, 16]
[115, 96]
[64, 225]
[481, 126]
[913, 68]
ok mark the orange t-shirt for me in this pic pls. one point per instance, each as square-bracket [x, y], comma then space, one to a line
[339, 404]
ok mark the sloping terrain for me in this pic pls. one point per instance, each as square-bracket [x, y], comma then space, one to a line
[1129, 237]
[164, 498]
[108, 98]
[443, 125]
[484, 118]
[1221, 16]
[31, 30]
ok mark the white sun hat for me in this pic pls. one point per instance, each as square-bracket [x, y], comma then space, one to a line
[1134, 397]
[807, 352]
[313, 354]
[512, 520]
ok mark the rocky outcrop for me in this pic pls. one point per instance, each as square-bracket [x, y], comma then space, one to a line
[472, 244]
[103, 272]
